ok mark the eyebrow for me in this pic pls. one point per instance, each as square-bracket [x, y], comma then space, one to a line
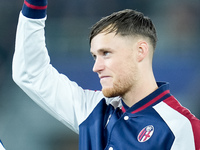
[102, 50]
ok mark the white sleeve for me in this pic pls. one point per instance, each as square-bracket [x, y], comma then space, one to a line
[54, 92]
[1, 146]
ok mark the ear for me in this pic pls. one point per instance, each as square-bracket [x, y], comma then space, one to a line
[143, 49]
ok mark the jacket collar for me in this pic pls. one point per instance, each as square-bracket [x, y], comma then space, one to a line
[160, 94]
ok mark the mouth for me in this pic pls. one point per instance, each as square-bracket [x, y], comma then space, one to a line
[103, 77]
[104, 80]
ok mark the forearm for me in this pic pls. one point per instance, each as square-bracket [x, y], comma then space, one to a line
[30, 55]
[30, 52]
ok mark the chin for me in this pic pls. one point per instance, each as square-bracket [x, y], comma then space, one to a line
[117, 89]
[110, 92]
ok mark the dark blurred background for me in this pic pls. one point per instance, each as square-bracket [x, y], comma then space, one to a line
[25, 126]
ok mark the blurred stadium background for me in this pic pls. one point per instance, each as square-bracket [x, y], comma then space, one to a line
[25, 126]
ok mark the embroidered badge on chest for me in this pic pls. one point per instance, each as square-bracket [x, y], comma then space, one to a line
[146, 133]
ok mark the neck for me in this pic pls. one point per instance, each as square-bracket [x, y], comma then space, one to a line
[139, 91]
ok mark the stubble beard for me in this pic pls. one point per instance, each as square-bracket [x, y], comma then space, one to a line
[120, 88]
[125, 82]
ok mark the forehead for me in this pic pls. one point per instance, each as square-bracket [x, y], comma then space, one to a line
[110, 41]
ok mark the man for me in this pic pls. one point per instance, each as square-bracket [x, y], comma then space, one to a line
[133, 111]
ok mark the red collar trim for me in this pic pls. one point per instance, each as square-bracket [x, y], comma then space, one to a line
[147, 104]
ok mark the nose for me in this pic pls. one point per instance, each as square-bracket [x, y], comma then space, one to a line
[98, 65]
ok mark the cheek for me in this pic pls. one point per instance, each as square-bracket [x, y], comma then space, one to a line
[127, 71]
[117, 69]
[122, 67]
[120, 73]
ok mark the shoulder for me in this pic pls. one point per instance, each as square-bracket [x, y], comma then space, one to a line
[184, 125]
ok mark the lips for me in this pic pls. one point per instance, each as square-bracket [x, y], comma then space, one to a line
[103, 77]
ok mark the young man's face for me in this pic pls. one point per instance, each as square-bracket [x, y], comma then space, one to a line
[115, 63]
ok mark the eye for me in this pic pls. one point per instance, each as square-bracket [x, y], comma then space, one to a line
[106, 53]
[94, 57]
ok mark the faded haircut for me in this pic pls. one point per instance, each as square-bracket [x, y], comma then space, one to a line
[126, 23]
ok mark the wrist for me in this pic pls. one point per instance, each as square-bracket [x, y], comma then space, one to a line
[35, 9]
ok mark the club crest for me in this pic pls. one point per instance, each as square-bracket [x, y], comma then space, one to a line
[146, 133]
